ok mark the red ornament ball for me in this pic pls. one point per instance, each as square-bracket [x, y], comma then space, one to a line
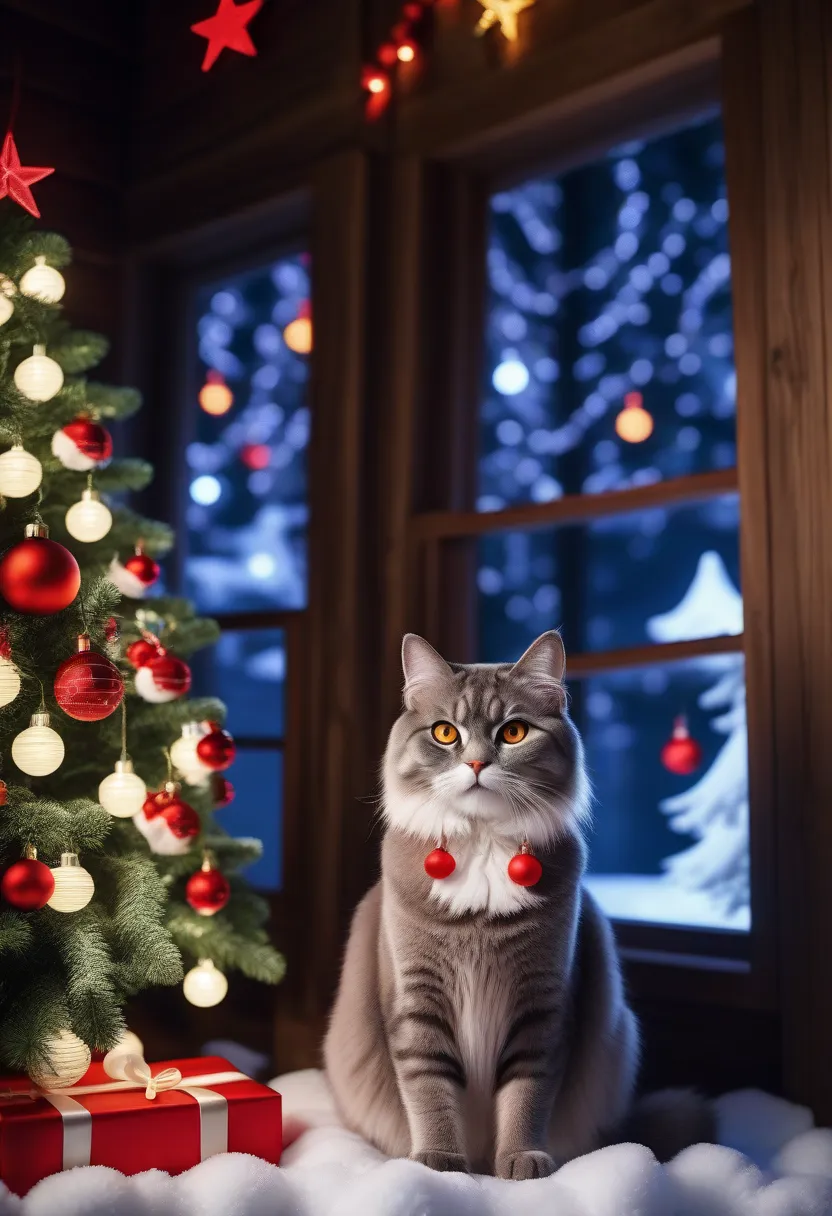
[140, 653]
[216, 750]
[90, 438]
[439, 863]
[681, 754]
[143, 568]
[525, 870]
[181, 818]
[4, 793]
[111, 632]
[88, 686]
[222, 790]
[163, 678]
[207, 892]
[38, 576]
[27, 884]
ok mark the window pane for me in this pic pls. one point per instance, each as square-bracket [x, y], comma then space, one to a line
[247, 670]
[609, 280]
[669, 849]
[257, 810]
[664, 575]
[247, 495]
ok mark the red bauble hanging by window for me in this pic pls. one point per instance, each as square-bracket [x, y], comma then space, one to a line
[38, 576]
[216, 750]
[163, 678]
[681, 754]
[208, 890]
[88, 686]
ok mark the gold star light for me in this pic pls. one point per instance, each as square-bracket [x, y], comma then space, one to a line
[502, 13]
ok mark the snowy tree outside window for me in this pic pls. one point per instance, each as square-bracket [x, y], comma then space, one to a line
[611, 279]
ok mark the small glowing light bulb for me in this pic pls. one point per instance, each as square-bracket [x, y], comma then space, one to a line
[39, 378]
[43, 282]
[634, 424]
[20, 472]
[215, 396]
[88, 520]
[38, 750]
[123, 792]
[298, 333]
[406, 51]
[74, 887]
[205, 985]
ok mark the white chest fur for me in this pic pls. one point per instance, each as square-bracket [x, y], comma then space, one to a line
[480, 882]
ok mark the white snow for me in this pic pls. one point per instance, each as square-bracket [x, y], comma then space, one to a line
[785, 1170]
[711, 606]
[658, 899]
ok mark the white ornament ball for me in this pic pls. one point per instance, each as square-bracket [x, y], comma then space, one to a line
[9, 681]
[74, 887]
[6, 293]
[68, 1058]
[123, 792]
[43, 282]
[88, 520]
[205, 985]
[39, 378]
[184, 756]
[20, 472]
[130, 1044]
[38, 750]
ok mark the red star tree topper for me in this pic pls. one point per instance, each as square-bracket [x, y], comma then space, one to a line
[227, 28]
[15, 179]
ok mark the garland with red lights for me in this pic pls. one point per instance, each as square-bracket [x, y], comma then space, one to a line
[404, 44]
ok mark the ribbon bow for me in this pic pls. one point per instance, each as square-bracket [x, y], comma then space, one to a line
[132, 1068]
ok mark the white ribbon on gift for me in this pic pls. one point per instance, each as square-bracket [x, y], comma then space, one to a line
[131, 1072]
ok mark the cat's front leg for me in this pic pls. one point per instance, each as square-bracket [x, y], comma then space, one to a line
[528, 1078]
[431, 1080]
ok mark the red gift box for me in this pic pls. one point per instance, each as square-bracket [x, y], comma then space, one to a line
[213, 1109]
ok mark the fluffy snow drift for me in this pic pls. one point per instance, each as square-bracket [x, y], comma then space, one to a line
[772, 1162]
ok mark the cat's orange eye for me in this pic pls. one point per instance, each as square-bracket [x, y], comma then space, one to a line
[444, 732]
[514, 732]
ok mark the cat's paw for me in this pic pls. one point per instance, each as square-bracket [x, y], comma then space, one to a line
[528, 1163]
[449, 1163]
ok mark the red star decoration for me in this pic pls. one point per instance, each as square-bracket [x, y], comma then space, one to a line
[15, 179]
[227, 28]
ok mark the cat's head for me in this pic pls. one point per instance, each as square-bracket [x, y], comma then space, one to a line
[488, 743]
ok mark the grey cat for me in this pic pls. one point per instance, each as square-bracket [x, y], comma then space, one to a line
[480, 1023]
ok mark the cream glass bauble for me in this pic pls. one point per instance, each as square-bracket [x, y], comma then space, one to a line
[122, 794]
[43, 282]
[74, 887]
[39, 378]
[20, 472]
[88, 520]
[6, 293]
[38, 750]
[205, 985]
[9, 681]
[184, 757]
[68, 1058]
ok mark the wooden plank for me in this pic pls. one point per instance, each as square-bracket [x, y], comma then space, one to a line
[796, 86]
[744, 160]
[580, 666]
[573, 508]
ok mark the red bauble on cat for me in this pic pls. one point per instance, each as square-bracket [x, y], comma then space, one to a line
[524, 868]
[439, 863]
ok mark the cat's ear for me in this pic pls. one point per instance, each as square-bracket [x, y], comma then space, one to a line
[544, 661]
[422, 665]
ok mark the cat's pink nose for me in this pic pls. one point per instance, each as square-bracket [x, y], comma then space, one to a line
[477, 766]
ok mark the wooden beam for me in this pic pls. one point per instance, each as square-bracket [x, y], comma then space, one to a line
[573, 508]
[579, 666]
[796, 88]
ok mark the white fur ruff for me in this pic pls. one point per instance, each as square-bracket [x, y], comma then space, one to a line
[480, 882]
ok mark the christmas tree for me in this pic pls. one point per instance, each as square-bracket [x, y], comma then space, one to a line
[715, 808]
[112, 869]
